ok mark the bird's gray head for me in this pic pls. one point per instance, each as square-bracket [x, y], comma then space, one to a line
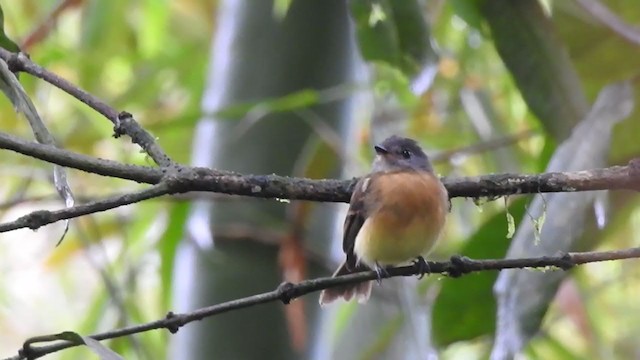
[397, 153]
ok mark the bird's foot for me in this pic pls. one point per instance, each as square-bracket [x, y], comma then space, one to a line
[380, 272]
[422, 266]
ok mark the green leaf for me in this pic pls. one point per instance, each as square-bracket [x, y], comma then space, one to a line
[601, 55]
[548, 347]
[414, 37]
[102, 351]
[392, 80]
[281, 8]
[511, 225]
[465, 307]
[344, 316]
[468, 11]
[5, 42]
[538, 222]
[317, 159]
[294, 101]
[386, 334]
[168, 245]
[392, 32]
[152, 31]
[530, 48]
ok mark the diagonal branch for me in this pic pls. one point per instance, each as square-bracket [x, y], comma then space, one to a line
[54, 155]
[286, 292]
[123, 122]
[38, 218]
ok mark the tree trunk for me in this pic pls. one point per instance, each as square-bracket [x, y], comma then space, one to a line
[256, 56]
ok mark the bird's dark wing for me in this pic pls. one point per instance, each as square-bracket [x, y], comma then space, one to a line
[356, 216]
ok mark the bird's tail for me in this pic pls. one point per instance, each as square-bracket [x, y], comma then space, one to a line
[360, 291]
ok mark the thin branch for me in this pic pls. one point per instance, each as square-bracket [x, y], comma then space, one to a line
[39, 218]
[21, 199]
[286, 292]
[609, 178]
[124, 123]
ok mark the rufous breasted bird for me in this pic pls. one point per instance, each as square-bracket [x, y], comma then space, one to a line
[396, 215]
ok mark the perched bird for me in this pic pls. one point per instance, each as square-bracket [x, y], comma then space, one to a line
[396, 215]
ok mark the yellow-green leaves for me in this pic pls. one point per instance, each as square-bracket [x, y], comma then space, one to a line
[5, 42]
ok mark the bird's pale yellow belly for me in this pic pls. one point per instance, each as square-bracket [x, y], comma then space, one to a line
[407, 224]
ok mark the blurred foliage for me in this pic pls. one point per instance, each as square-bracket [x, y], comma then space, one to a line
[489, 242]
[392, 32]
[150, 58]
[5, 42]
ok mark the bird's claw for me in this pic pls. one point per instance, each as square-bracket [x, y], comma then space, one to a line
[422, 266]
[380, 272]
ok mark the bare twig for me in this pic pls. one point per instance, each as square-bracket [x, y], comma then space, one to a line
[123, 122]
[38, 218]
[21, 199]
[286, 292]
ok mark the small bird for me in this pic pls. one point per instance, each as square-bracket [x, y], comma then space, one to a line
[396, 215]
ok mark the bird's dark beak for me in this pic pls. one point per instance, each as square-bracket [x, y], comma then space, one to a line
[380, 150]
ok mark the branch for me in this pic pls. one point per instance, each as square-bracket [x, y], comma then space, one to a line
[327, 190]
[123, 122]
[181, 179]
[286, 292]
[609, 178]
[54, 155]
[38, 218]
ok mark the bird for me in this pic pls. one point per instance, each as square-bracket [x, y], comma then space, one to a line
[396, 215]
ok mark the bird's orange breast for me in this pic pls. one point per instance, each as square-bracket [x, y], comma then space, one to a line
[405, 219]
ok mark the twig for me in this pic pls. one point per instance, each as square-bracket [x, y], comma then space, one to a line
[38, 218]
[286, 292]
[123, 122]
[21, 199]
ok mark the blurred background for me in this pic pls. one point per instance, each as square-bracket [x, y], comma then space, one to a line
[304, 88]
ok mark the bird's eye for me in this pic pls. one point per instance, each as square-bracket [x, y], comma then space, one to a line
[406, 154]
